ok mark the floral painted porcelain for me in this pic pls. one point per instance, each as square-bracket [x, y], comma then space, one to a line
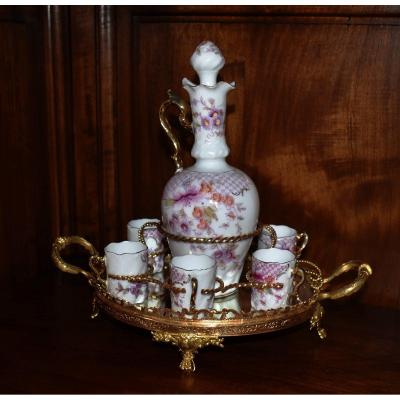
[210, 199]
[187, 270]
[126, 259]
[272, 266]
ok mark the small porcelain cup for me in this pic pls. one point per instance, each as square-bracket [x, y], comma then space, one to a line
[272, 266]
[286, 239]
[194, 273]
[126, 259]
[146, 230]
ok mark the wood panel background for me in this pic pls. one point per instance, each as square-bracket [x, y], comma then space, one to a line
[313, 121]
[24, 201]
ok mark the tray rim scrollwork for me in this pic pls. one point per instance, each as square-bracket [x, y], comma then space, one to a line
[193, 333]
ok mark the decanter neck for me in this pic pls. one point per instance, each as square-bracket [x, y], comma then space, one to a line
[210, 165]
[209, 145]
[208, 104]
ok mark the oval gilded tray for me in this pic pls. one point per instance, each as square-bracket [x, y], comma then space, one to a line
[191, 330]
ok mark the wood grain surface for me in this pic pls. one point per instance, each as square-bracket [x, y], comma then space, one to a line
[313, 121]
[24, 202]
[53, 347]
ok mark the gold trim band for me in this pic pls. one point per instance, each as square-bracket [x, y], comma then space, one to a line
[208, 240]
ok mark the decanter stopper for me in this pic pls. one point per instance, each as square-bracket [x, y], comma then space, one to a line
[207, 60]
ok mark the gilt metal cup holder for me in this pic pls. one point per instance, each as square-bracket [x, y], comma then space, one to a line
[192, 329]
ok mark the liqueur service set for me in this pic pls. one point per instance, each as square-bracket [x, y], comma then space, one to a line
[208, 269]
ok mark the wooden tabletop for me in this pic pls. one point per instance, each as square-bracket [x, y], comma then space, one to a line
[50, 345]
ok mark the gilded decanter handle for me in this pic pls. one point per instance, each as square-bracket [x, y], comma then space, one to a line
[364, 272]
[62, 243]
[183, 119]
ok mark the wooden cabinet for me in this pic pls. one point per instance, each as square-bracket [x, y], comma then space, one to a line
[25, 205]
[313, 121]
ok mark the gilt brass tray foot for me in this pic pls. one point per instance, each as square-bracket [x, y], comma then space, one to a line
[189, 344]
[315, 321]
[191, 330]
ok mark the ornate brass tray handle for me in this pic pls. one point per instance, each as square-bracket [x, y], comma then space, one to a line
[193, 329]
[364, 271]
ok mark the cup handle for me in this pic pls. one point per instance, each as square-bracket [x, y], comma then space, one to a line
[364, 272]
[62, 243]
[143, 227]
[272, 233]
[141, 240]
[194, 283]
[301, 238]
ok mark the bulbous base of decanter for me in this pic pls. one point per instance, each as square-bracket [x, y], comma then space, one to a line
[210, 205]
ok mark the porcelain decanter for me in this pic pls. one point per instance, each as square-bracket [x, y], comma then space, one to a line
[211, 207]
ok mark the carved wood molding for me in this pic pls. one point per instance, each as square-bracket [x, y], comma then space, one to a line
[107, 122]
[59, 115]
[81, 79]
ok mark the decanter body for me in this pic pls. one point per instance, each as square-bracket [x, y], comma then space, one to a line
[210, 199]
